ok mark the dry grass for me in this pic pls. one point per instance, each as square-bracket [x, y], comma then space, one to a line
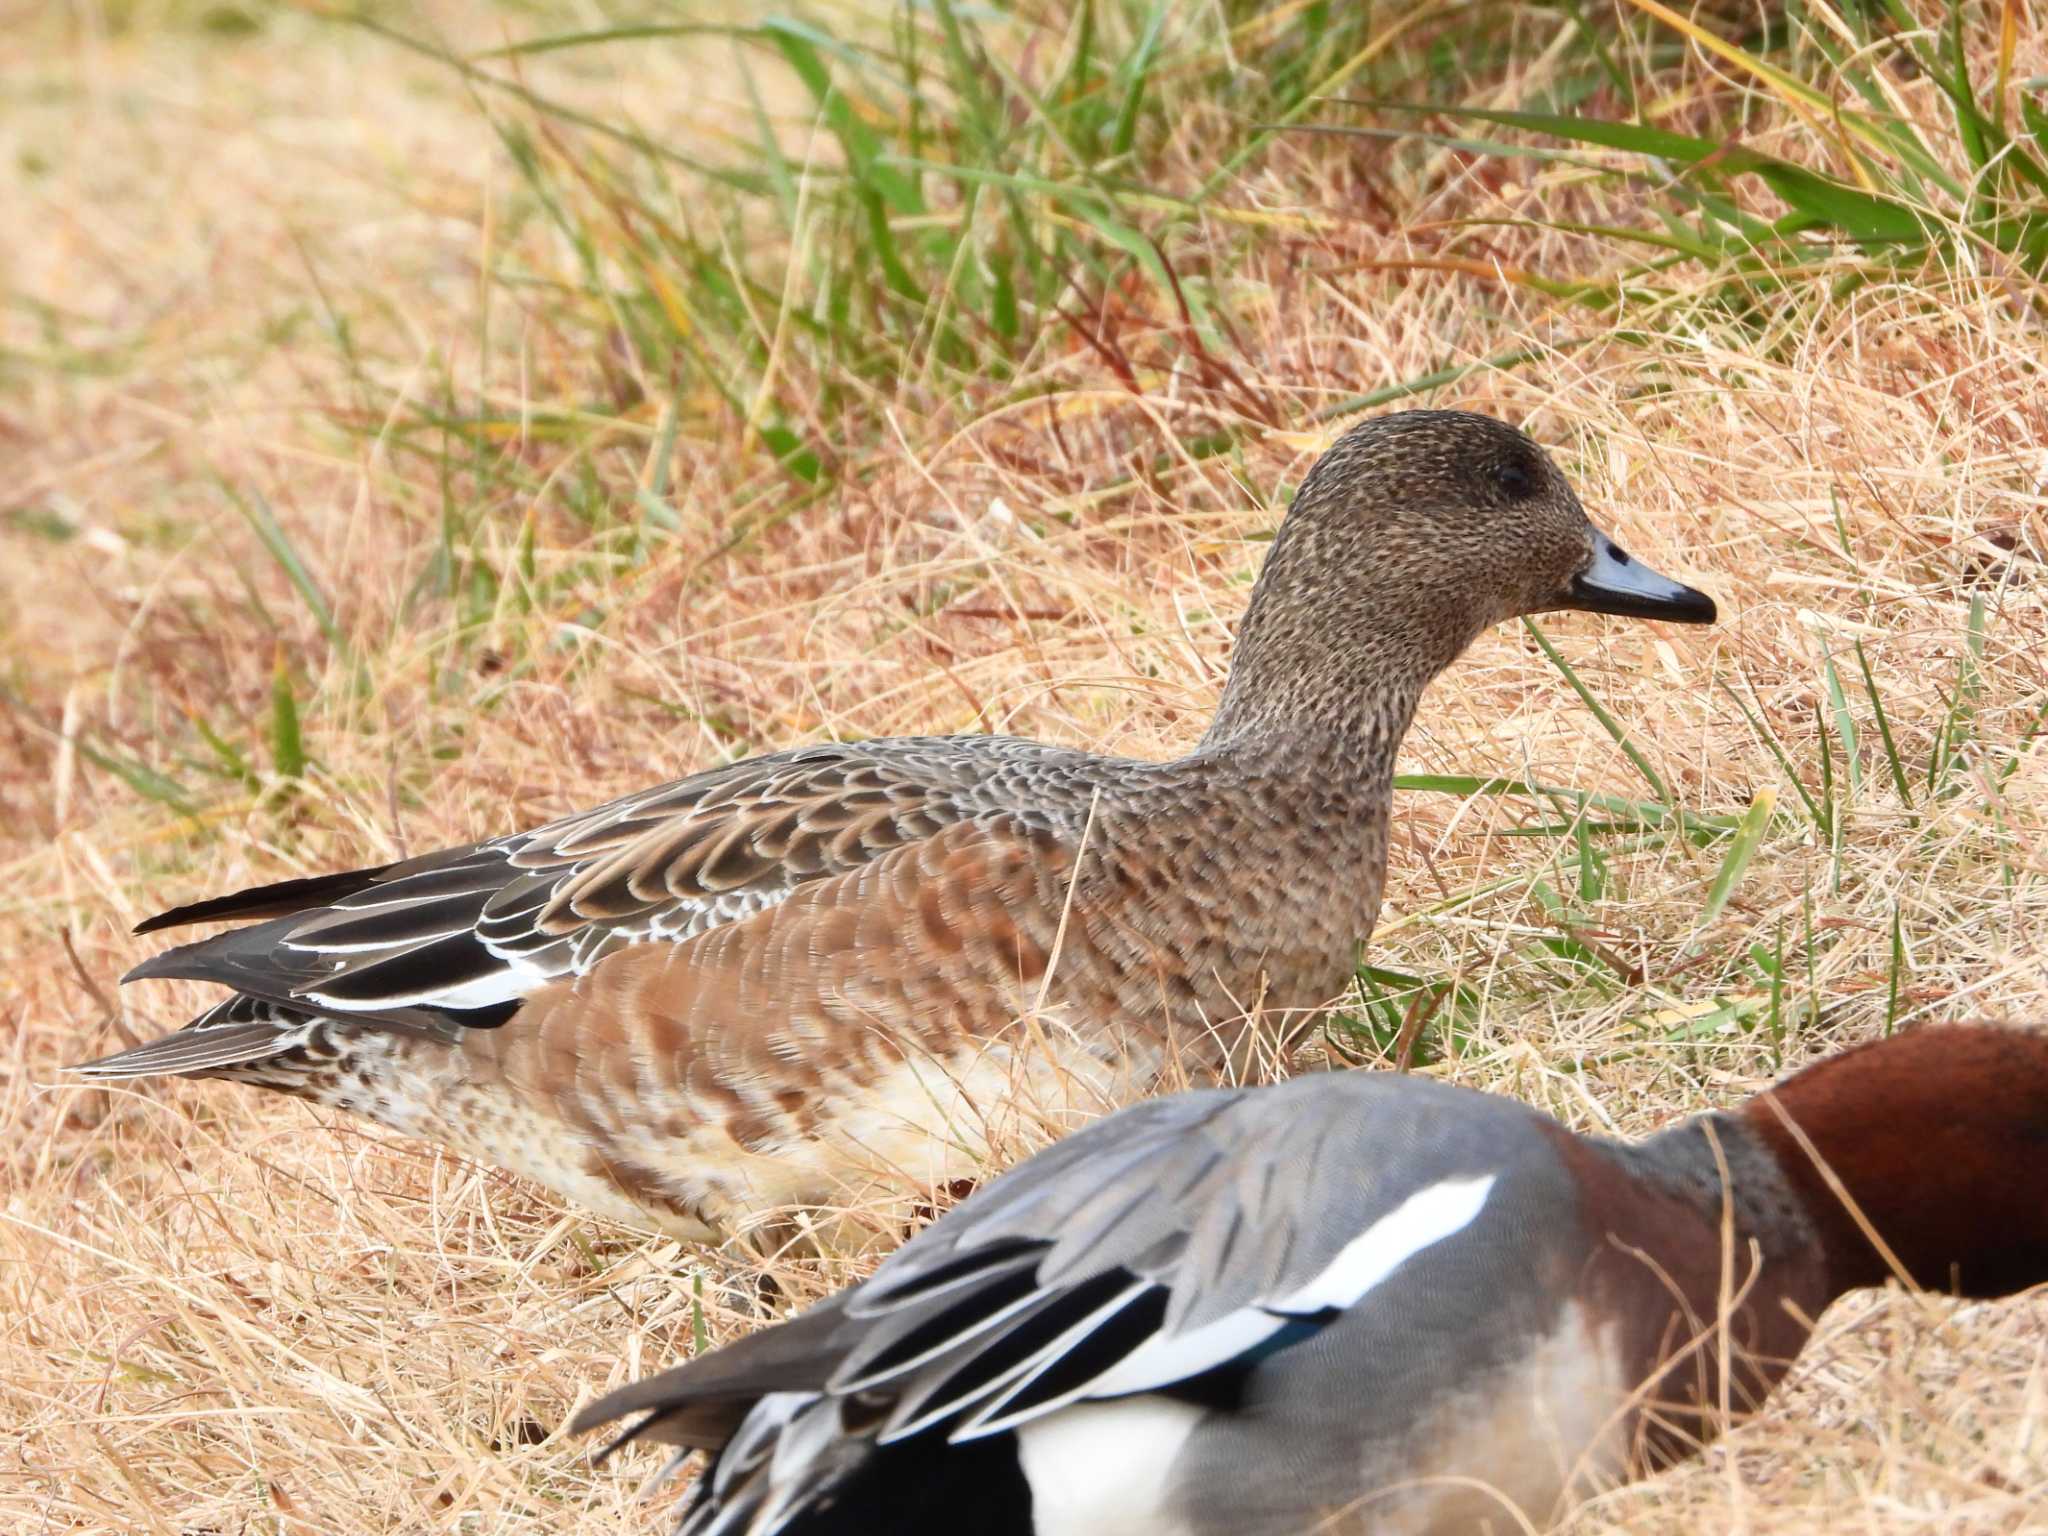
[238, 268]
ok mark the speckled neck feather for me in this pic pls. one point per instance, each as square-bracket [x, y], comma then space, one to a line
[1938, 1139]
[1384, 572]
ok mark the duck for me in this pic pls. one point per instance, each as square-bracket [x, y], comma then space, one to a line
[805, 980]
[1359, 1302]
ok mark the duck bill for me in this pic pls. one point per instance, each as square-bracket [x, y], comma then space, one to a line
[1615, 582]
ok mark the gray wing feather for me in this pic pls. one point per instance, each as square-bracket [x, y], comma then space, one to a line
[1224, 1201]
[1224, 1197]
[796, 1356]
[1117, 1245]
[1218, 1201]
[453, 940]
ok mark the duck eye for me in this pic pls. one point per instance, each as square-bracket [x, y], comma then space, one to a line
[1516, 480]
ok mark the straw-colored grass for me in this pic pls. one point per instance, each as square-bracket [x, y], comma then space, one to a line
[242, 266]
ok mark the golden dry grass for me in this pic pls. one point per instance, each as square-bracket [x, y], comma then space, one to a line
[223, 1312]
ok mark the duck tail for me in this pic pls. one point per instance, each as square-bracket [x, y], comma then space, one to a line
[237, 1032]
[281, 898]
[701, 1403]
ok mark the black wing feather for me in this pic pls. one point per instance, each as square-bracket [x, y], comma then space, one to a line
[281, 898]
[797, 1356]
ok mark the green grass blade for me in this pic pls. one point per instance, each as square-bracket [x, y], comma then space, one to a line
[634, 33]
[1749, 836]
[1441, 378]
[1958, 726]
[1132, 77]
[1895, 973]
[1637, 138]
[863, 147]
[1845, 724]
[258, 514]
[1769, 738]
[1830, 801]
[231, 759]
[1863, 215]
[1821, 201]
[140, 777]
[1608, 723]
[287, 745]
[2022, 745]
[1630, 815]
[1772, 964]
[1884, 729]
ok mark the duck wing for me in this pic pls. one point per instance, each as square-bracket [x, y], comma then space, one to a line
[1166, 1249]
[457, 939]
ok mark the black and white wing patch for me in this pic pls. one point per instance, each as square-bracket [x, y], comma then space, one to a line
[999, 1344]
[457, 939]
[1164, 1251]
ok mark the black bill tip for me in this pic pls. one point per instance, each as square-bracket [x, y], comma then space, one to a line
[1615, 582]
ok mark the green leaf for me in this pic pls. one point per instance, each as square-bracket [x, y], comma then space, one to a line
[257, 511]
[632, 33]
[287, 748]
[231, 759]
[1820, 200]
[1135, 72]
[791, 453]
[1884, 728]
[1749, 836]
[1758, 724]
[1639, 138]
[141, 778]
[863, 149]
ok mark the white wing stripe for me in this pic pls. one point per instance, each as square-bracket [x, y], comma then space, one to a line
[1158, 1362]
[413, 940]
[501, 986]
[1019, 1376]
[1424, 1219]
[901, 1368]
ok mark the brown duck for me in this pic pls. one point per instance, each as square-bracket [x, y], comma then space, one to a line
[811, 975]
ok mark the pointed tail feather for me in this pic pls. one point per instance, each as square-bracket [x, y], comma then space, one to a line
[193, 1051]
[245, 959]
[253, 962]
[701, 1402]
[281, 898]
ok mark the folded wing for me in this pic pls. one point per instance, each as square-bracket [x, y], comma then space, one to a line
[458, 939]
[1167, 1249]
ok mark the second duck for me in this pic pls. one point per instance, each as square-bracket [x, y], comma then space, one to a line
[798, 978]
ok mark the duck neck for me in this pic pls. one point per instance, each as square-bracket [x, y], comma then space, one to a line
[1351, 737]
[1325, 653]
[1357, 687]
[1716, 1162]
[1936, 1138]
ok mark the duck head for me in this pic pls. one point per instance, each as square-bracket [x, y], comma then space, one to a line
[1410, 536]
[1933, 1142]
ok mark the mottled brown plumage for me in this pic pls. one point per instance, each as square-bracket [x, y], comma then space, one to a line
[806, 975]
